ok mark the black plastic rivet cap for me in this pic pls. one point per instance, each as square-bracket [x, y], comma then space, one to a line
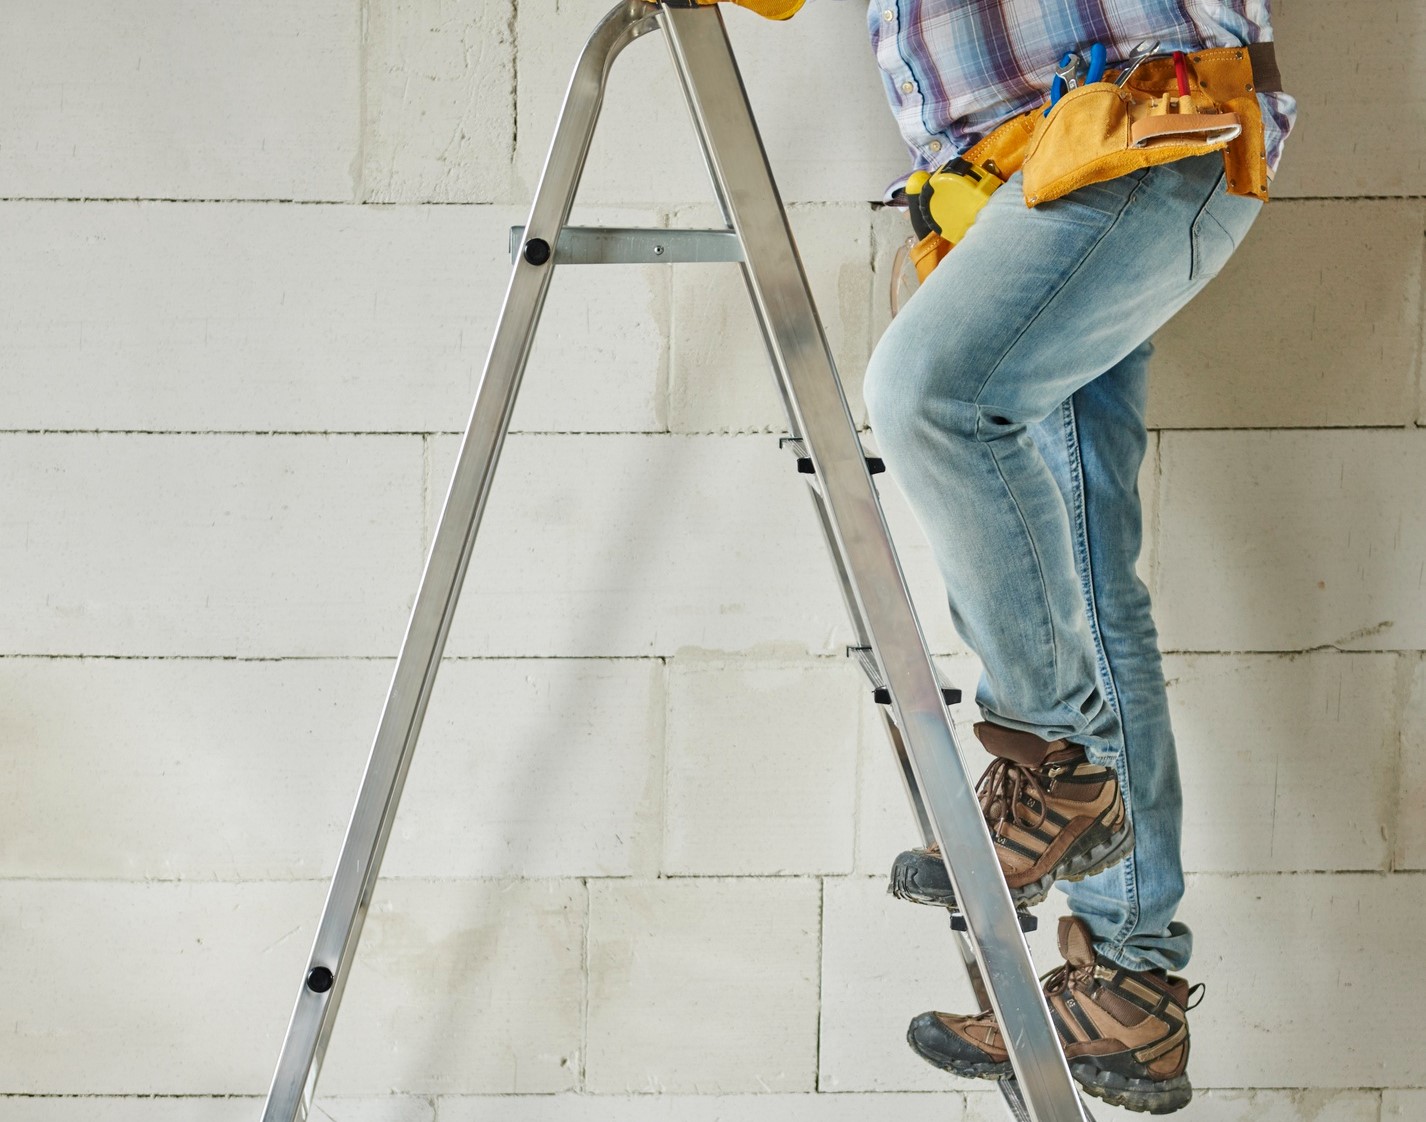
[319, 979]
[537, 251]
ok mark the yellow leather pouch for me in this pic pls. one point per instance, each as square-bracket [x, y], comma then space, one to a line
[1101, 131]
[772, 9]
[927, 253]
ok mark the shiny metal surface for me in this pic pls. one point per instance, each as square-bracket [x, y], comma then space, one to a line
[618, 245]
[349, 896]
[873, 583]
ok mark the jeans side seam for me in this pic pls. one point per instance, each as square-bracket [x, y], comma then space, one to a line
[1086, 568]
[1081, 533]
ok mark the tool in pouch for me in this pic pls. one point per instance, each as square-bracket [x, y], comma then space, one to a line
[1156, 108]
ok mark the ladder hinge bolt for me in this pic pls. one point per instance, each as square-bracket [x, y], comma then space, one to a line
[537, 251]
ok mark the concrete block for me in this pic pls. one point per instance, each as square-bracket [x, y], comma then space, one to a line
[1287, 763]
[720, 378]
[187, 769]
[1256, 940]
[702, 985]
[1316, 321]
[1285, 541]
[84, 1108]
[883, 962]
[1410, 849]
[439, 101]
[315, 318]
[813, 85]
[147, 1108]
[1343, 144]
[1224, 1106]
[707, 1108]
[175, 99]
[467, 987]
[538, 768]
[1402, 1106]
[761, 766]
[885, 824]
[644, 545]
[464, 987]
[208, 545]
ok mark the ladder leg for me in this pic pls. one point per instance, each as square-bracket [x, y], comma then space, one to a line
[349, 896]
[743, 181]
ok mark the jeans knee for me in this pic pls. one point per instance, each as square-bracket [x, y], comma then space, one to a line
[916, 394]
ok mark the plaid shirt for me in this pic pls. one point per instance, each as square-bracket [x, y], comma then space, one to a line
[955, 69]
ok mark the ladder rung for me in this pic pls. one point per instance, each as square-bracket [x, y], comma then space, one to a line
[882, 696]
[875, 465]
[1029, 921]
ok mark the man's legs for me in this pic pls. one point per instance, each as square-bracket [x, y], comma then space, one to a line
[1008, 401]
[991, 402]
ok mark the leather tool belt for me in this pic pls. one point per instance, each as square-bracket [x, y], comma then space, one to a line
[1102, 130]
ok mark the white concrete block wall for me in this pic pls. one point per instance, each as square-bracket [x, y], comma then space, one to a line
[253, 255]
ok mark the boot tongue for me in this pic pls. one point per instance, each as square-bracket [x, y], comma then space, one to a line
[1023, 748]
[1076, 943]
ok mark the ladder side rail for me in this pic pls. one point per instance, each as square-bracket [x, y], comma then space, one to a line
[349, 896]
[733, 149]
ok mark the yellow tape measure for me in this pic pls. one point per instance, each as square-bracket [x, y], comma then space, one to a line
[947, 200]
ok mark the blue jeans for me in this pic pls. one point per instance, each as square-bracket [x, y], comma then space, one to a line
[1007, 399]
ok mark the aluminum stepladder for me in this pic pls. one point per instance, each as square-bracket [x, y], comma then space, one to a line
[889, 643]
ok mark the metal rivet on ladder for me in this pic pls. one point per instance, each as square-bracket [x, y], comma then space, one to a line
[319, 979]
[537, 251]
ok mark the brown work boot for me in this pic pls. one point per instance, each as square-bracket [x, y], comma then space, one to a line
[1125, 1034]
[1052, 814]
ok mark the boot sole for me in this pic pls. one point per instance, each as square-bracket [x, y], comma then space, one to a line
[1076, 868]
[1145, 1096]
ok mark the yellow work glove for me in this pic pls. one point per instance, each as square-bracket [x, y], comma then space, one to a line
[772, 9]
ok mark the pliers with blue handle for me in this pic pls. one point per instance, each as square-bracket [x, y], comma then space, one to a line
[1067, 73]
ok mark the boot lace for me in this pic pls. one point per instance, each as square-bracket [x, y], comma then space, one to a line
[1000, 791]
[1064, 977]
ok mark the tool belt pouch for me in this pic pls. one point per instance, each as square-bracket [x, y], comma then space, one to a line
[1102, 131]
[927, 253]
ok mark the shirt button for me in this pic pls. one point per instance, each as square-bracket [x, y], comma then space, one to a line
[888, 15]
[935, 146]
[907, 87]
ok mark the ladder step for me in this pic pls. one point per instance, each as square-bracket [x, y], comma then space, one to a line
[875, 465]
[882, 696]
[1028, 921]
